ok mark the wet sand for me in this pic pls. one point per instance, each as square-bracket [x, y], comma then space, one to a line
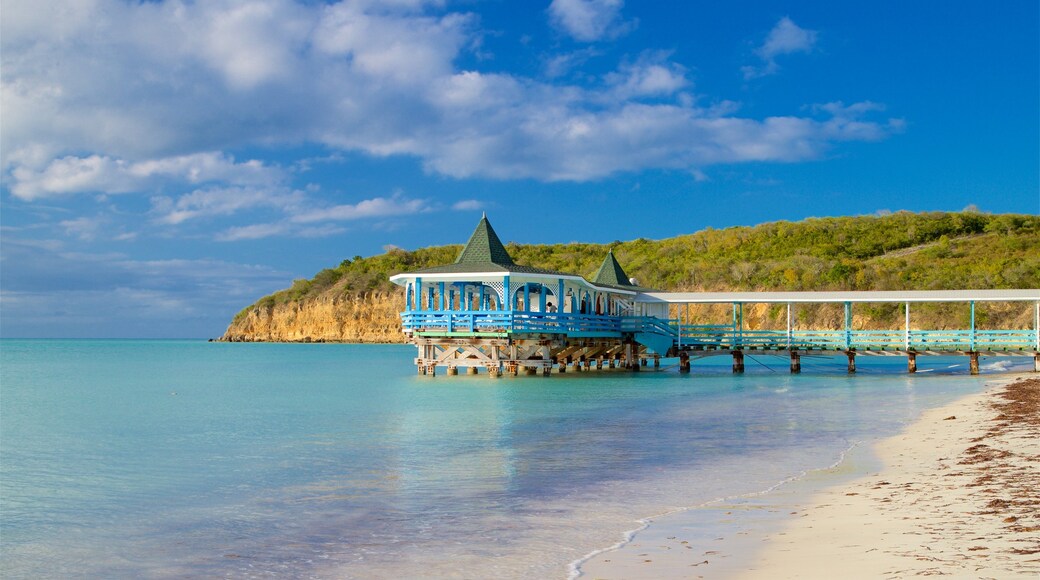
[956, 494]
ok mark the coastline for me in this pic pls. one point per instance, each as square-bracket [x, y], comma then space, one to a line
[955, 493]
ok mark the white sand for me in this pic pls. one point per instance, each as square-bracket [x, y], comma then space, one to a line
[958, 495]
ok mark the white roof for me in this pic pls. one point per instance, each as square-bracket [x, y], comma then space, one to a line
[1029, 295]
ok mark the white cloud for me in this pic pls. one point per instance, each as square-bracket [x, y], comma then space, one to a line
[108, 175]
[84, 228]
[376, 207]
[785, 38]
[467, 205]
[153, 106]
[651, 76]
[589, 20]
[222, 201]
[253, 232]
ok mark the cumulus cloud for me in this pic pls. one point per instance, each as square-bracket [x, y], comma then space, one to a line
[650, 76]
[589, 20]
[104, 174]
[168, 91]
[785, 38]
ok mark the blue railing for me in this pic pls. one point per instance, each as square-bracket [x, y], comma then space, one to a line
[714, 336]
[922, 340]
[490, 321]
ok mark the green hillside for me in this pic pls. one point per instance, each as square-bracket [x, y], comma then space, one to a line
[899, 251]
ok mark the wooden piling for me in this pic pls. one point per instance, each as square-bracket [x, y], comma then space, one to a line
[738, 361]
[453, 371]
[973, 362]
[494, 371]
[911, 362]
[852, 361]
[684, 362]
[562, 365]
[796, 362]
[471, 370]
[1036, 363]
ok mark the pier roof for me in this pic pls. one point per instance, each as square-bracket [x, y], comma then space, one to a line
[1023, 295]
[485, 253]
[612, 275]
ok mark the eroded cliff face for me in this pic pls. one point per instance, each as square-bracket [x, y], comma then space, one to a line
[331, 317]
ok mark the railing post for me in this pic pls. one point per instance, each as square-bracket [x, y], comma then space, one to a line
[848, 325]
[906, 336]
[788, 326]
[973, 325]
[1036, 321]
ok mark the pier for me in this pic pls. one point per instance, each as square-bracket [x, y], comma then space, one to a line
[486, 312]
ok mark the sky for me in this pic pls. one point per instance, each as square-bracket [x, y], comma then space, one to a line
[166, 163]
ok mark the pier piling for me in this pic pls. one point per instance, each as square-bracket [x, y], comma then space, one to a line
[973, 362]
[852, 361]
[684, 362]
[738, 361]
[911, 362]
[796, 362]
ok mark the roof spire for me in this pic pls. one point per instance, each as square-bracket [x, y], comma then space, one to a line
[610, 272]
[484, 247]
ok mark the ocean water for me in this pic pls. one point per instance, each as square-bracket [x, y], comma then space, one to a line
[171, 459]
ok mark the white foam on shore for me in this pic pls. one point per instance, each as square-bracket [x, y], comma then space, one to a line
[574, 568]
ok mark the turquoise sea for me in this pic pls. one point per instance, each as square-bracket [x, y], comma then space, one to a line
[171, 459]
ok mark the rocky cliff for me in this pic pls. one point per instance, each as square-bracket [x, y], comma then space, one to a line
[329, 317]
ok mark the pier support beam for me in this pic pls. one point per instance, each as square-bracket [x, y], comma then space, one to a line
[657, 361]
[852, 361]
[561, 363]
[911, 362]
[1036, 363]
[973, 363]
[796, 362]
[453, 371]
[738, 361]
[471, 371]
[684, 362]
[494, 371]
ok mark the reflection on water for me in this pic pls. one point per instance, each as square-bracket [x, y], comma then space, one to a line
[184, 458]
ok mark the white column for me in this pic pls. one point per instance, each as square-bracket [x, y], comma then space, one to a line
[906, 336]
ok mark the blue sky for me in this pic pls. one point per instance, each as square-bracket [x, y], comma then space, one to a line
[165, 163]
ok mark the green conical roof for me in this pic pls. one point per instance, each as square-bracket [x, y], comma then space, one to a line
[484, 247]
[610, 272]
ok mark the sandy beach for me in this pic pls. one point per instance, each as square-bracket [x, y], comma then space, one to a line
[955, 494]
